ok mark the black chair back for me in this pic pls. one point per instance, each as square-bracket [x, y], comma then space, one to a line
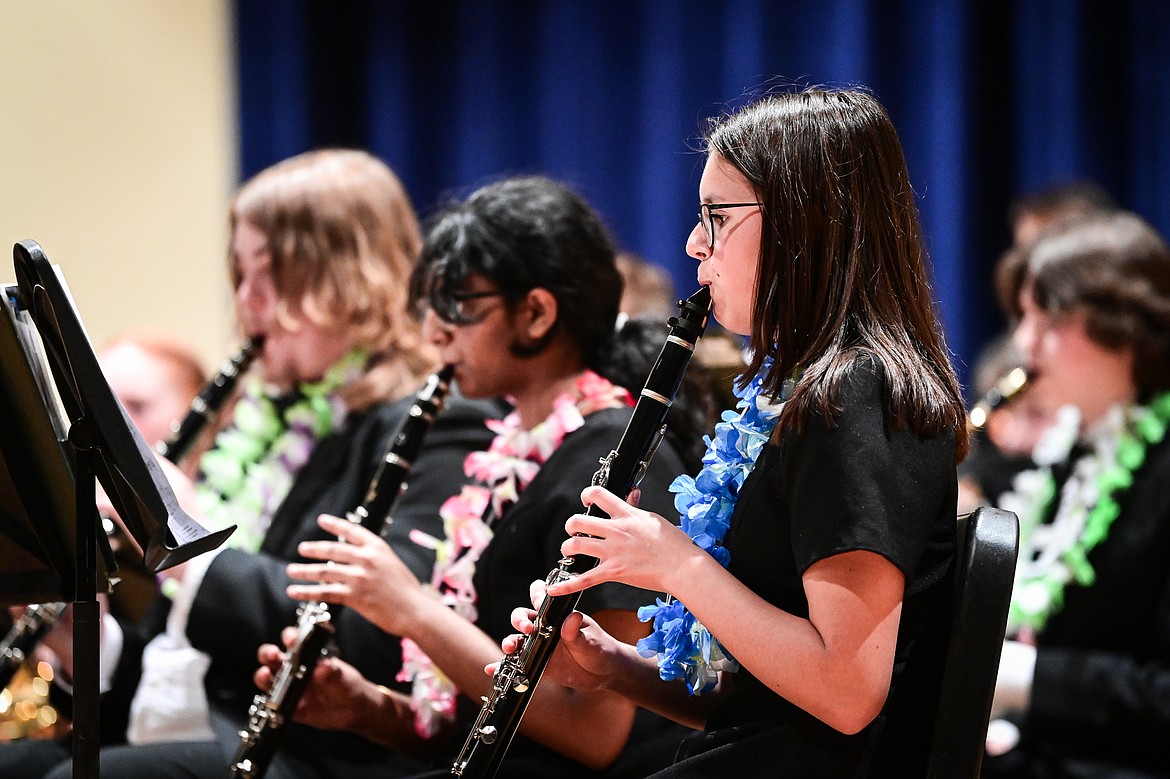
[988, 542]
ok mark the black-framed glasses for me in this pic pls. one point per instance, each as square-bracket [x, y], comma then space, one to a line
[707, 219]
[450, 306]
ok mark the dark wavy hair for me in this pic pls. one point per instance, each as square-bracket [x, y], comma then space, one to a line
[527, 233]
[1114, 267]
[532, 232]
[842, 266]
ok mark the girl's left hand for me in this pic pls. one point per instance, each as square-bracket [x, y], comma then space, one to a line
[335, 695]
[362, 572]
[635, 547]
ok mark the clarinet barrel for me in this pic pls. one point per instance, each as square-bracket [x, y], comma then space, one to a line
[393, 473]
[621, 471]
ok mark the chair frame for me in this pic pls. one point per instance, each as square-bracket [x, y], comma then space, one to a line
[985, 565]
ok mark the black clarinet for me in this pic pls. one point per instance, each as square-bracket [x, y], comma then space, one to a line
[39, 619]
[621, 470]
[315, 621]
[206, 405]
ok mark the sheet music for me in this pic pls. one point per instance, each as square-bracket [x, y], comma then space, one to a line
[30, 341]
[64, 374]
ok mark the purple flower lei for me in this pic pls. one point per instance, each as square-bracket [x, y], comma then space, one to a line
[684, 648]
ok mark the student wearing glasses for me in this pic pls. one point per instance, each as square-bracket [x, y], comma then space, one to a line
[523, 295]
[812, 572]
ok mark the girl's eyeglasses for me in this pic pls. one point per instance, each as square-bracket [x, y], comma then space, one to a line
[707, 219]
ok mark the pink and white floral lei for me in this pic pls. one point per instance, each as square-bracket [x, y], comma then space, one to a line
[509, 465]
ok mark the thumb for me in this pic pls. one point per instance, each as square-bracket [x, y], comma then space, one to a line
[571, 627]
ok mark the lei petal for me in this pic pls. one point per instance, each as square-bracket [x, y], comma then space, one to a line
[425, 540]
[509, 465]
[256, 418]
[435, 694]
[1055, 545]
[684, 647]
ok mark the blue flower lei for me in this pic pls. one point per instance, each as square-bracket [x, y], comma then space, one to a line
[684, 648]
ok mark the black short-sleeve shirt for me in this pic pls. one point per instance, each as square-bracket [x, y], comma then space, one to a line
[855, 484]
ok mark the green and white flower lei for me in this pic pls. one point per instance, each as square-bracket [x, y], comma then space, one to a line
[1054, 553]
[248, 471]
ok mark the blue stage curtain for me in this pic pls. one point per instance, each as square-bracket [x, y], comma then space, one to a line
[992, 98]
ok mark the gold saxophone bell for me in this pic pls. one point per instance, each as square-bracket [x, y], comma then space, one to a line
[1010, 385]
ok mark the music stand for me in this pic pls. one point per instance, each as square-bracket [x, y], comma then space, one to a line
[36, 562]
[62, 427]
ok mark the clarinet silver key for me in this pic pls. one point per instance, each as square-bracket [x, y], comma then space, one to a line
[316, 621]
[621, 470]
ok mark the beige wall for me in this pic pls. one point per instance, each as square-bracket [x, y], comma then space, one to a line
[117, 155]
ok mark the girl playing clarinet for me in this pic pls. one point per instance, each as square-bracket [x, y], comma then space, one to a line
[811, 577]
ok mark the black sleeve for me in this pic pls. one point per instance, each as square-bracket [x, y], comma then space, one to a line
[241, 602]
[1102, 677]
[859, 485]
[1112, 696]
[240, 605]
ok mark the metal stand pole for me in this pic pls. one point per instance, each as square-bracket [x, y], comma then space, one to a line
[86, 618]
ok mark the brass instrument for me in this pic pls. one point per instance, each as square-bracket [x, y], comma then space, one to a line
[315, 621]
[622, 469]
[1009, 386]
[26, 631]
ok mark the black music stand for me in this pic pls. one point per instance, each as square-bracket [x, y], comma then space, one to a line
[61, 427]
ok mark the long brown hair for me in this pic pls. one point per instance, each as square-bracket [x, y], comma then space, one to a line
[343, 239]
[842, 266]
